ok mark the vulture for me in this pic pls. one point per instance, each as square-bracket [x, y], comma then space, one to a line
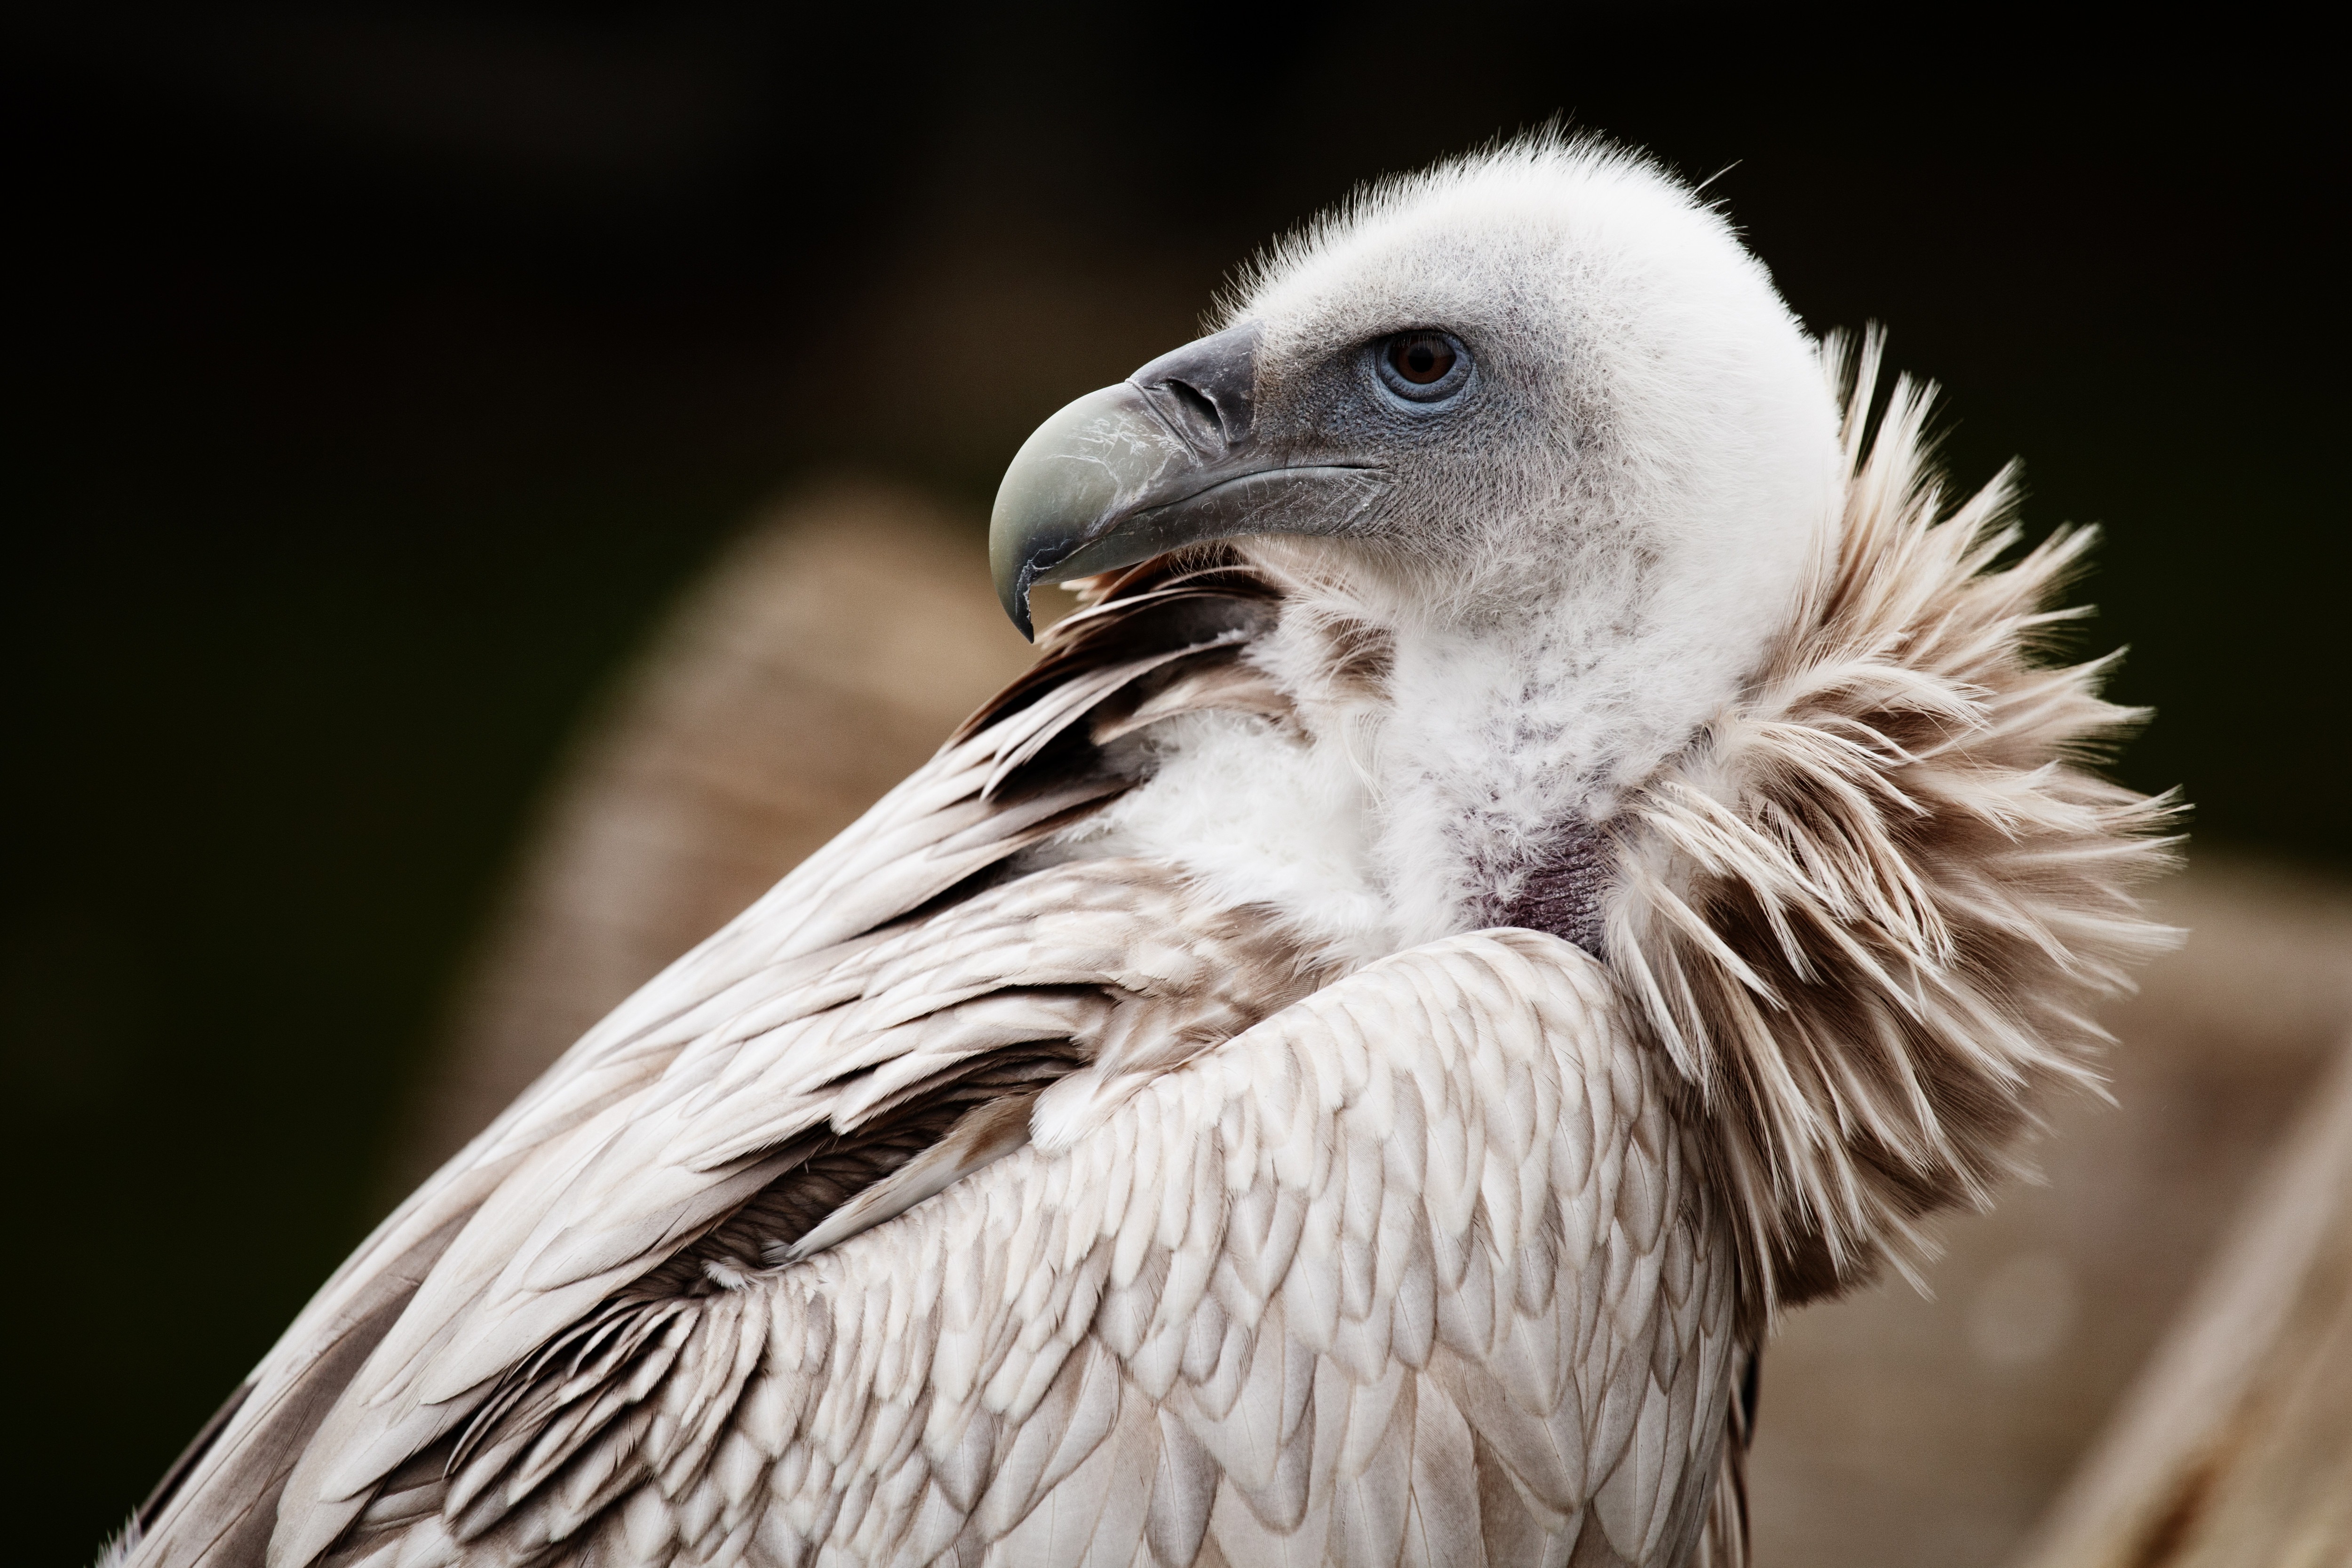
[1548, 843]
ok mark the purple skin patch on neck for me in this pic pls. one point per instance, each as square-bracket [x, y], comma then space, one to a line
[1561, 892]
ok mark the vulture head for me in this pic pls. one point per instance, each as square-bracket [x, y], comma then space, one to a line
[1665, 657]
[1542, 414]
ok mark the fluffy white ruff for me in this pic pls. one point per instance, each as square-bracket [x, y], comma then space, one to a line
[1259, 814]
[1866, 913]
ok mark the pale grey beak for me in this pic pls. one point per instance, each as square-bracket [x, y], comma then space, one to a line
[1166, 457]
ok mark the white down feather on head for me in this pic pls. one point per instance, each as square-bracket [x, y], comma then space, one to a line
[1574, 570]
[1645, 492]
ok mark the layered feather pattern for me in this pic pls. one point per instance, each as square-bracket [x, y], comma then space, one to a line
[1865, 915]
[1416, 1272]
[1418, 1268]
[1118, 1146]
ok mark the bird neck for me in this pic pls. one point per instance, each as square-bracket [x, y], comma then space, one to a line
[1495, 752]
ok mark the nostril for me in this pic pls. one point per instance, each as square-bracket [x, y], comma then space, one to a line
[1196, 403]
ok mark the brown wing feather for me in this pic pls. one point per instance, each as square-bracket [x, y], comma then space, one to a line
[1026, 765]
[1724, 1542]
[1415, 1270]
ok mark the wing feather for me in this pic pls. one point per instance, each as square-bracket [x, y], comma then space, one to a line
[1181, 1411]
[1412, 1263]
[437, 1287]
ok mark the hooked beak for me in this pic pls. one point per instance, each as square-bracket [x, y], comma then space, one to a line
[1167, 458]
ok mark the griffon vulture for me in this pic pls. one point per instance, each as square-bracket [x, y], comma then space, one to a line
[1544, 847]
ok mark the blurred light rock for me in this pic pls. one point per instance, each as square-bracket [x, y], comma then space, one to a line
[2020, 1312]
[1902, 1429]
[835, 647]
[2234, 1448]
[821, 659]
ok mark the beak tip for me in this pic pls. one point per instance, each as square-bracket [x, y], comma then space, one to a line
[1087, 491]
[1013, 593]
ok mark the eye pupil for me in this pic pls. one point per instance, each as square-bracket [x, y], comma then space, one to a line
[1421, 358]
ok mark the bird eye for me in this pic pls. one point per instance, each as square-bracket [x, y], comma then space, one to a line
[1423, 367]
[1421, 358]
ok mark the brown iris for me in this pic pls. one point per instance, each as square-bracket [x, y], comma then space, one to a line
[1421, 358]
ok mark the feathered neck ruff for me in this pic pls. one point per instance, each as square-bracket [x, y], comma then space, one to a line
[1866, 914]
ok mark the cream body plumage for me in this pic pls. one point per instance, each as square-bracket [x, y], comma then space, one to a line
[1543, 848]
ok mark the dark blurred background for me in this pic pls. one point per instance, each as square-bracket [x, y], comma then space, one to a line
[375, 376]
